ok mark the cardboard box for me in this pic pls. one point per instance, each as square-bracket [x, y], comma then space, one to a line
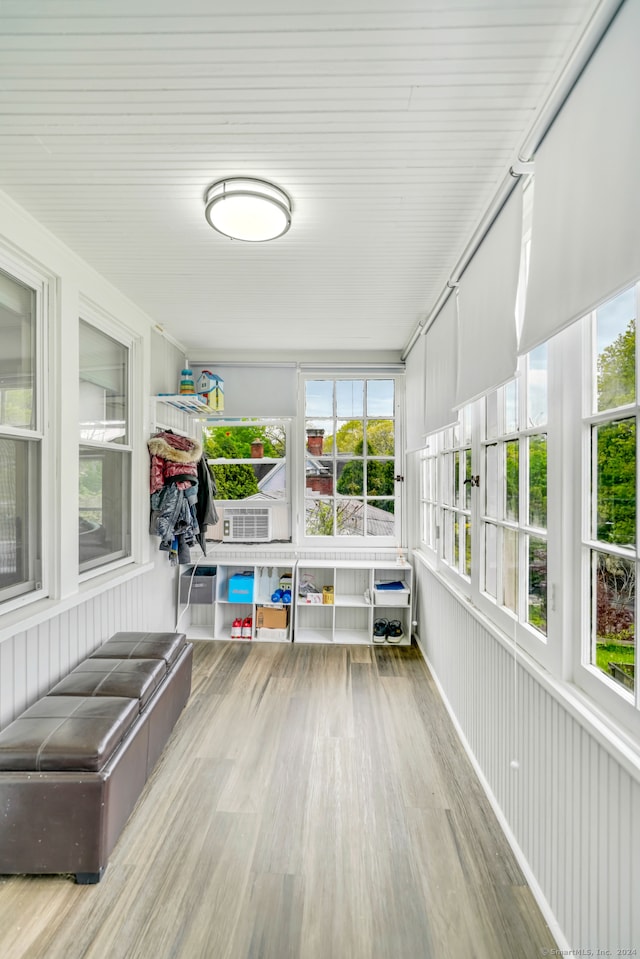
[241, 588]
[272, 617]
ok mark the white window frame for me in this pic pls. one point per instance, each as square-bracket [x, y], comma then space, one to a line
[102, 321]
[449, 500]
[285, 423]
[370, 542]
[624, 704]
[43, 285]
[565, 652]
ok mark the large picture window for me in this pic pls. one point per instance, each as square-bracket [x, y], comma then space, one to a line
[350, 458]
[20, 440]
[105, 452]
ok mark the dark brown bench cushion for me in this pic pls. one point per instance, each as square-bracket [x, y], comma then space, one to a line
[132, 678]
[66, 733]
[165, 646]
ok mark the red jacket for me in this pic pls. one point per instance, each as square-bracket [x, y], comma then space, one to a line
[174, 459]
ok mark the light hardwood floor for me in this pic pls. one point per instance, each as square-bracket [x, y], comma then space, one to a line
[312, 803]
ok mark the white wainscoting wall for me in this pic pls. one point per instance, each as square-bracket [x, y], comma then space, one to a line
[32, 661]
[571, 808]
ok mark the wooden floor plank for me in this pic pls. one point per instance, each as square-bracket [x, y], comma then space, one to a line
[312, 803]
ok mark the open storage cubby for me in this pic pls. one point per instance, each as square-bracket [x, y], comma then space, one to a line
[215, 602]
[332, 601]
[356, 605]
[393, 605]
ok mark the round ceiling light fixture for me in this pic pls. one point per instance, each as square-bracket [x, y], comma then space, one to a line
[245, 208]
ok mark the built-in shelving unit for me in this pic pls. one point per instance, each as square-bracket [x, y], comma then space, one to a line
[332, 601]
[347, 605]
[208, 608]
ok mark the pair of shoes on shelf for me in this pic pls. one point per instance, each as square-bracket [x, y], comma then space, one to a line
[241, 628]
[387, 630]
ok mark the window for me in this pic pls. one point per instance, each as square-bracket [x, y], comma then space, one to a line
[249, 465]
[514, 520]
[610, 542]
[105, 451]
[429, 493]
[349, 458]
[447, 481]
[547, 546]
[20, 438]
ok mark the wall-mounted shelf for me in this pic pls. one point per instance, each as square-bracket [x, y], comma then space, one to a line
[185, 402]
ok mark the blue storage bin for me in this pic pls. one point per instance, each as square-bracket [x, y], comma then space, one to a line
[241, 588]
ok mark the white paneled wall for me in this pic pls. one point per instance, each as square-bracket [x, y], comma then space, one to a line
[571, 805]
[33, 661]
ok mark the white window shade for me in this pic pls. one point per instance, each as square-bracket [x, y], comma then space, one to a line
[255, 390]
[440, 368]
[585, 241]
[487, 339]
[415, 393]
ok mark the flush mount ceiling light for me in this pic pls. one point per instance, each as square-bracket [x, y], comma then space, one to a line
[245, 208]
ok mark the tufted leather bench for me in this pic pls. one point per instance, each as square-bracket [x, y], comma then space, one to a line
[135, 678]
[73, 765]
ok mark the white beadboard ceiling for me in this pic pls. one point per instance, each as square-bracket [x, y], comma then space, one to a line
[389, 124]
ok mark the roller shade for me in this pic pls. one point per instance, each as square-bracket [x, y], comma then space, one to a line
[415, 395]
[487, 337]
[254, 390]
[440, 368]
[585, 242]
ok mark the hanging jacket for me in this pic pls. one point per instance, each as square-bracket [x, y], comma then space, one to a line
[174, 459]
[206, 512]
[173, 514]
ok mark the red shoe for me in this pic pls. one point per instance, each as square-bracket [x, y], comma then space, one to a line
[246, 628]
[236, 629]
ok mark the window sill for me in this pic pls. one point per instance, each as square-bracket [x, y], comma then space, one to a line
[33, 612]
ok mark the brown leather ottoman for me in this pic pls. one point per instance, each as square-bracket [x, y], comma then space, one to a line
[165, 646]
[63, 799]
[72, 767]
[66, 732]
[133, 678]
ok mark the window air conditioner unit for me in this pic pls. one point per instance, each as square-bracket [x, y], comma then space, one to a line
[246, 524]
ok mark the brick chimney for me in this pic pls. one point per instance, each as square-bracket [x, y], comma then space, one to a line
[315, 439]
[257, 449]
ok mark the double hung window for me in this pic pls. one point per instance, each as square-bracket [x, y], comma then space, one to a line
[21, 436]
[105, 450]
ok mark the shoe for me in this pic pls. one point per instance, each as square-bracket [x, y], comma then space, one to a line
[236, 629]
[380, 627]
[394, 631]
[246, 628]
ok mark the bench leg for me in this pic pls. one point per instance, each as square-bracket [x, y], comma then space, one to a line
[89, 878]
